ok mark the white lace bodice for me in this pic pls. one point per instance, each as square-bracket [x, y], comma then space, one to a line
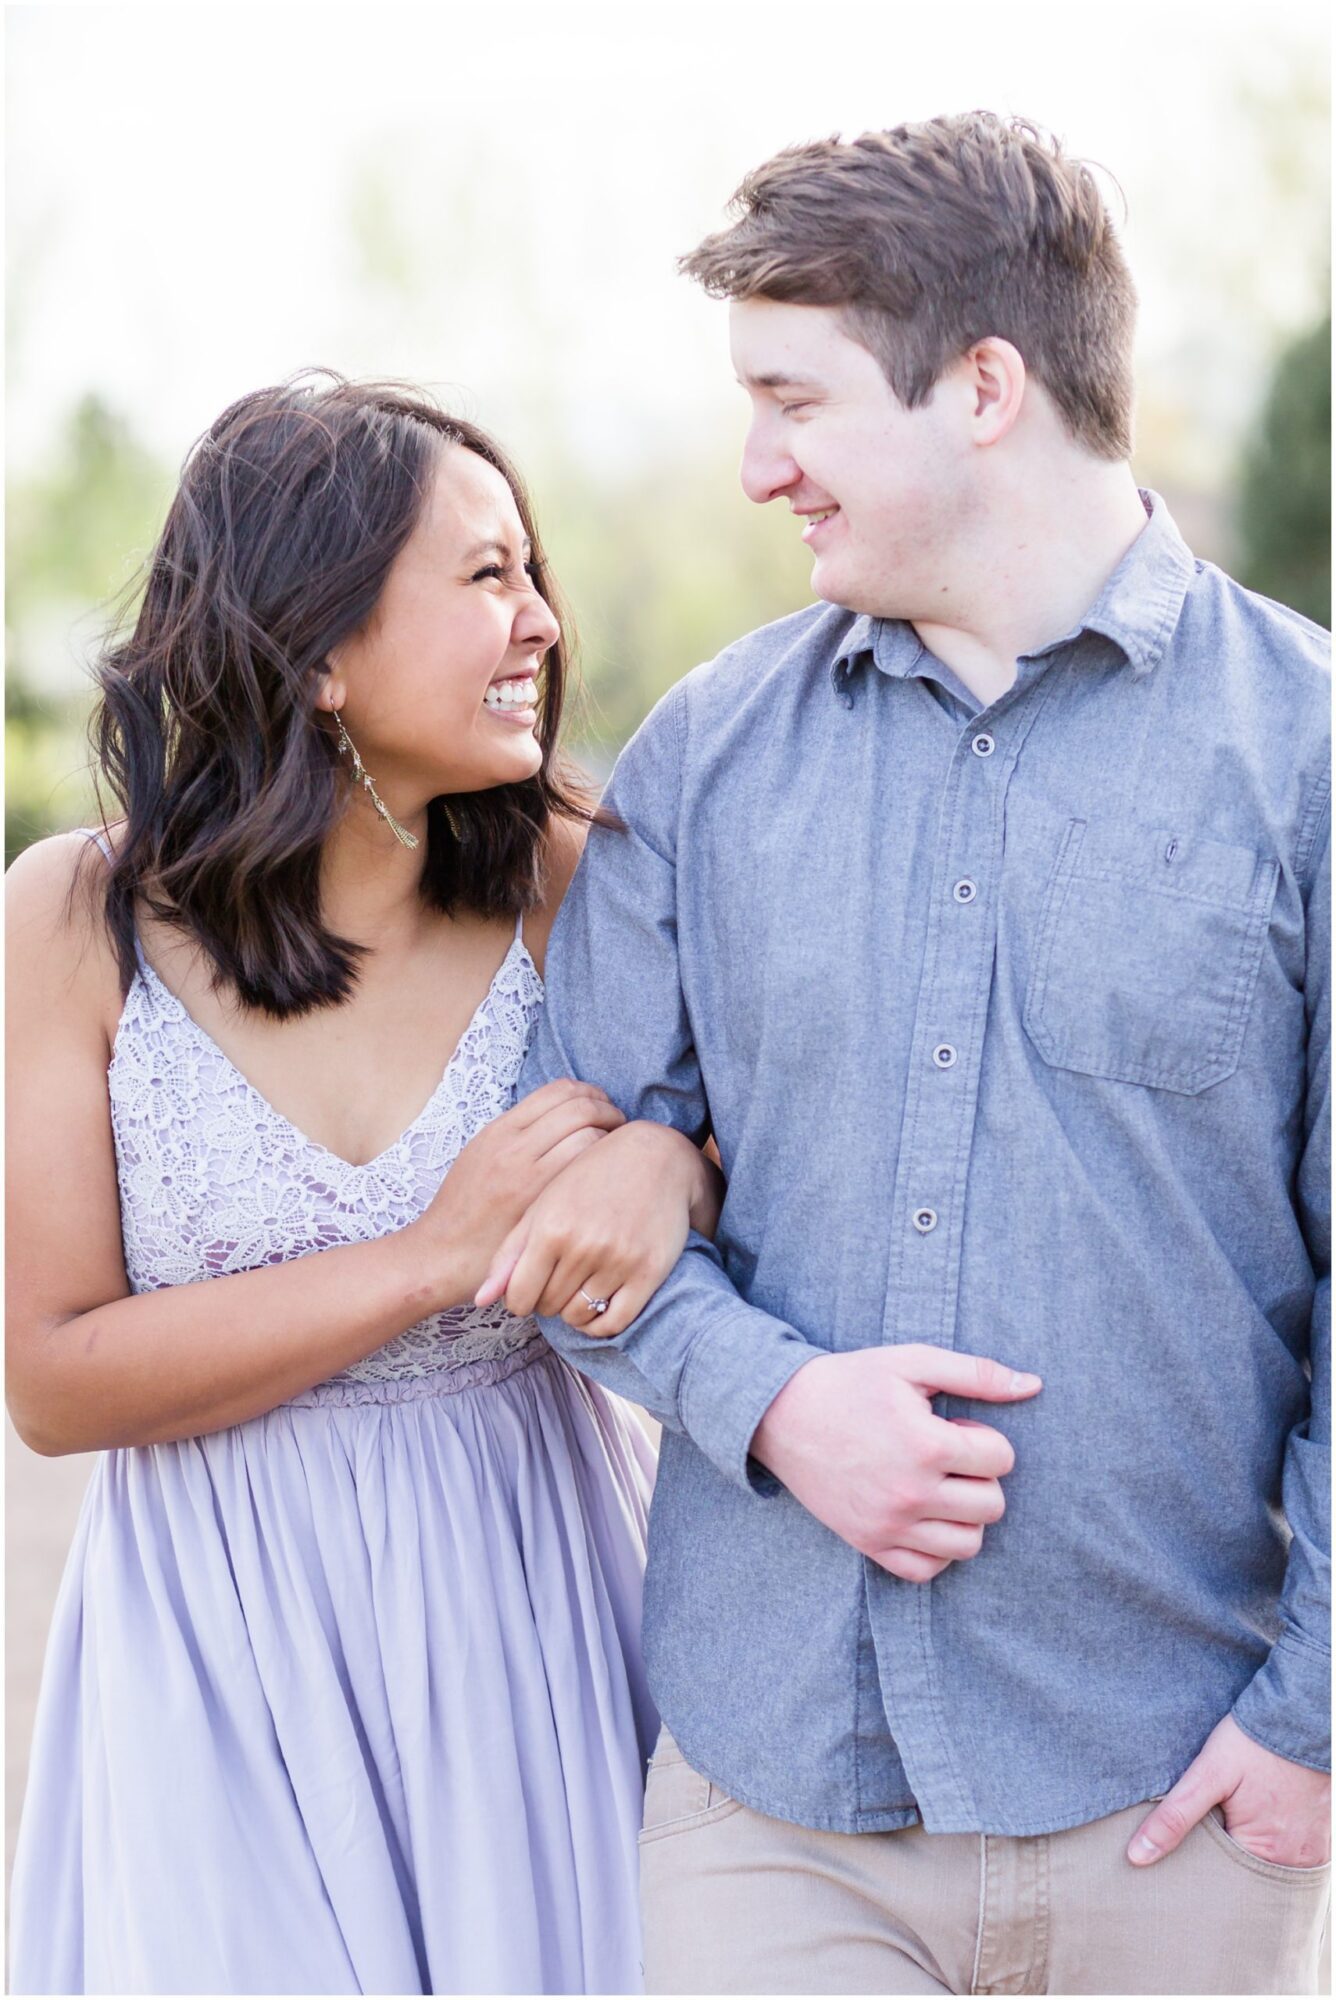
[214, 1180]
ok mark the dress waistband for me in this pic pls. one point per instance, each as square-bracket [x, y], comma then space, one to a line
[342, 1392]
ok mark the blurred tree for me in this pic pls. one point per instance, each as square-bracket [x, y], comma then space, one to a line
[76, 533]
[1285, 491]
[662, 571]
[46, 782]
[1229, 296]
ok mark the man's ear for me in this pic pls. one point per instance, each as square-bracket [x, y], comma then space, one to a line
[996, 375]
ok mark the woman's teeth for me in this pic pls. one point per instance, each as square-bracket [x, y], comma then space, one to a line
[511, 694]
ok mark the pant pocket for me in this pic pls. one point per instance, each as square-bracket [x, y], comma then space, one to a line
[677, 1796]
[1316, 1878]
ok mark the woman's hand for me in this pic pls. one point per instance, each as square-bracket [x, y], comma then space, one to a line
[611, 1226]
[498, 1177]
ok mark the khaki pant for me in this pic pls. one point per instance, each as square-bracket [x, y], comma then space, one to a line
[736, 1902]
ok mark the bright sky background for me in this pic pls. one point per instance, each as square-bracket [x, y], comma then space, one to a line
[181, 182]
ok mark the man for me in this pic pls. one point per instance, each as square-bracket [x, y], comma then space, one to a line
[977, 912]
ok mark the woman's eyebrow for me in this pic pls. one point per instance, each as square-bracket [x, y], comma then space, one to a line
[495, 548]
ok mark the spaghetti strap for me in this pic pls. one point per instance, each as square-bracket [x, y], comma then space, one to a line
[98, 837]
[519, 928]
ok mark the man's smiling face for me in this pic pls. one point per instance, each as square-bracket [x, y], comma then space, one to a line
[882, 491]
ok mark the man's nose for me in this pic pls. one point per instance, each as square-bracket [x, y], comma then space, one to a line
[766, 470]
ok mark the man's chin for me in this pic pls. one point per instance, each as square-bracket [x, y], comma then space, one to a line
[844, 591]
[828, 585]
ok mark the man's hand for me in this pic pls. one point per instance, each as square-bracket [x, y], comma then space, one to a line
[855, 1439]
[1277, 1810]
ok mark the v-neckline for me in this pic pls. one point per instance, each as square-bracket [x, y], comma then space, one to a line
[517, 944]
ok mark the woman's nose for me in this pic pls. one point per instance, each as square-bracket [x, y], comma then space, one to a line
[536, 624]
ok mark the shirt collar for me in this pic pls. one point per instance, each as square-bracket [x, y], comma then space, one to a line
[1137, 609]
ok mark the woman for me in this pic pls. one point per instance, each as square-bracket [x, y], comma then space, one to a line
[343, 1691]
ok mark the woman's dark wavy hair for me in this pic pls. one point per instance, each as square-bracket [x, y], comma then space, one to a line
[290, 511]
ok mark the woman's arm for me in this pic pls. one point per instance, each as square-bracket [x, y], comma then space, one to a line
[90, 1366]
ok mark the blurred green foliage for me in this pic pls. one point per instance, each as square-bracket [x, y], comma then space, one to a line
[75, 537]
[1285, 492]
[661, 573]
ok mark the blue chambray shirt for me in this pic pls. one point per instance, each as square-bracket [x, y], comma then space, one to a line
[1011, 1026]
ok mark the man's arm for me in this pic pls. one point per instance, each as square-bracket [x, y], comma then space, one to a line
[698, 1357]
[1286, 1707]
[1268, 1761]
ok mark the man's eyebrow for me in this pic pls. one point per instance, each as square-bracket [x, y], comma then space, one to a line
[495, 548]
[775, 380]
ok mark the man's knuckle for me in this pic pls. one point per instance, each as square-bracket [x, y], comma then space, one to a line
[938, 1450]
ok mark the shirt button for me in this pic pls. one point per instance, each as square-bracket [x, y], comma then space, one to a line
[965, 891]
[944, 1055]
[983, 746]
[925, 1219]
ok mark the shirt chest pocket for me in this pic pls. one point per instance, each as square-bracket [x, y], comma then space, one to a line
[1146, 955]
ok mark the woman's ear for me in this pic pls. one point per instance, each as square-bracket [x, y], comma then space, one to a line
[333, 689]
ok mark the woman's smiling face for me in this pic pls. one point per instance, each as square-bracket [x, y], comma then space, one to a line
[438, 687]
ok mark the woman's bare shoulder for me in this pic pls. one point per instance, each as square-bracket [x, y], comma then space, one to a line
[58, 949]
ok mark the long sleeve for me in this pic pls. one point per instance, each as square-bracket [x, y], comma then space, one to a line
[1286, 1707]
[698, 1357]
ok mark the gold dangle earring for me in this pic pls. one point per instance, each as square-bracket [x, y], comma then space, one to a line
[361, 776]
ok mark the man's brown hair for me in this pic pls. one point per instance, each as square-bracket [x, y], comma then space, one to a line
[933, 236]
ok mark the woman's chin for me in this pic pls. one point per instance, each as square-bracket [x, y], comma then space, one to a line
[522, 759]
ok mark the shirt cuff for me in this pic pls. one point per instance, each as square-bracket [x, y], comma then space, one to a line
[733, 1374]
[1286, 1706]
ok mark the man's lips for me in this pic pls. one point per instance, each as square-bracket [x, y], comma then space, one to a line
[819, 520]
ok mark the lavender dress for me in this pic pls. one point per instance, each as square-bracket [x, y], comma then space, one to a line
[347, 1699]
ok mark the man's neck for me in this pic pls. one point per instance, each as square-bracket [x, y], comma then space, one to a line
[1026, 583]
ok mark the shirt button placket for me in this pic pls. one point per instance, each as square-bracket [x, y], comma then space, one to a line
[954, 990]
